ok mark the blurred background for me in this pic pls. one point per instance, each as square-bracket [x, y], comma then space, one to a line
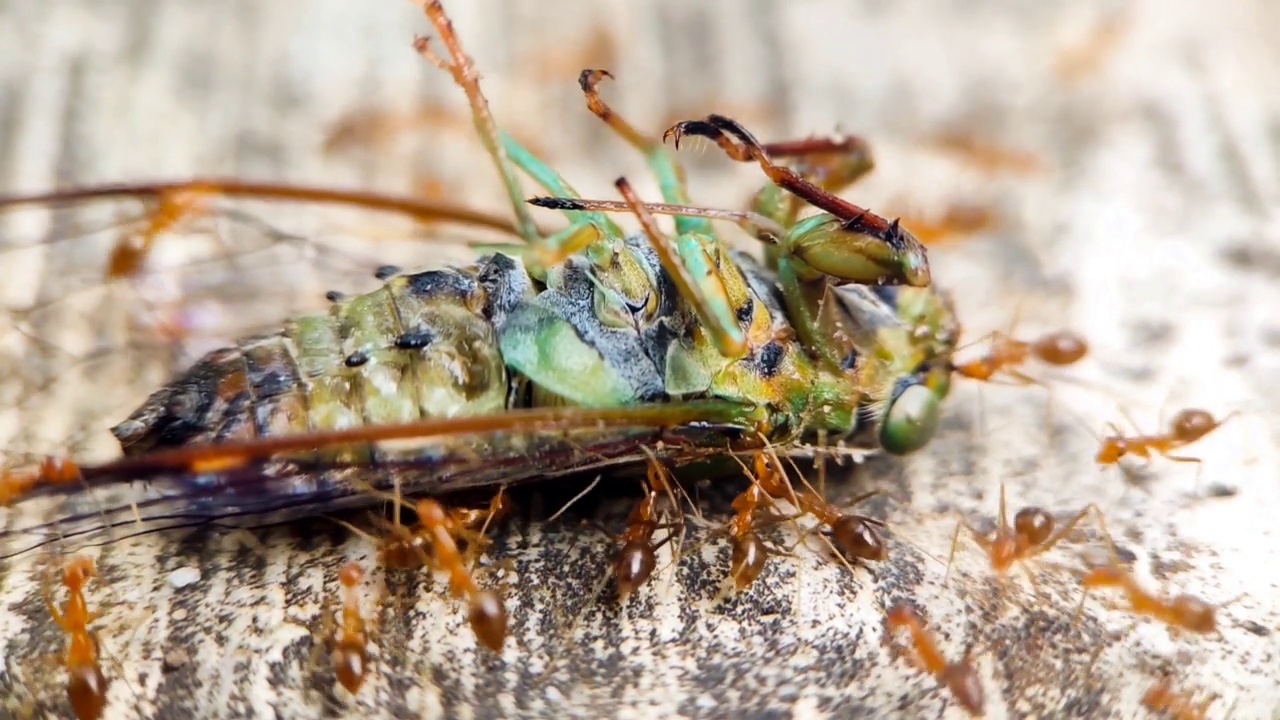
[1111, 167]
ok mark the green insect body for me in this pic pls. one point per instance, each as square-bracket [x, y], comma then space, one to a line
[838, 327]
[583, 349]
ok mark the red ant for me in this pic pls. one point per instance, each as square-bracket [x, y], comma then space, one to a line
[960, 677]
[86, 685]
[638, 556]
[1187, 426]
[349, 647]
[1031, 534]
[172, 206]
[1161, 697]
[1059, 348]
[1183, 612]
[440, 530]
[14, 483]
[855, 535]
[749, 551]
[487, 614]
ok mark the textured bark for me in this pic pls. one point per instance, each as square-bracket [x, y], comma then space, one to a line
[1150, 224]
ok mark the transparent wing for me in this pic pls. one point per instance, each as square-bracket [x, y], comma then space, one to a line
[107, 299]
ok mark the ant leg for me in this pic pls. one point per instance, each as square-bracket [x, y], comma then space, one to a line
[1188, 459]
[978, 537]
[696, 276]
[1066, 530]
[58, 617]
[671, 176]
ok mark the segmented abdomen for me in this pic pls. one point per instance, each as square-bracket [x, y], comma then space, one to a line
[420, 346]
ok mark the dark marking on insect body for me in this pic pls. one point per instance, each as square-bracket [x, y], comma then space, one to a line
[386, 272]
[334, 295]
[356, 359]
[415, 340]
[557, 203]
[441, 283]
[769, 360]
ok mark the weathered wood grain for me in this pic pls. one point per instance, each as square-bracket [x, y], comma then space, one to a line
[1153, 225]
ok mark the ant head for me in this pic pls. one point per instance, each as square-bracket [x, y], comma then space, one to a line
[430, 512]
[1195, 614]
[78, 572]
[1113, 448]
[1034, 524]
[901, 615]
[1105, 576]
[351, 575]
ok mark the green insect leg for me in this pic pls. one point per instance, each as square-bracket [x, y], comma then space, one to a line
[696, 276]
[662, 162]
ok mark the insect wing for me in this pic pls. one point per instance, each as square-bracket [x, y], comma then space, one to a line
[110, 298]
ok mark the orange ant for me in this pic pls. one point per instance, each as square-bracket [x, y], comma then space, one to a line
[349, 647]
[957, 222]
[406, 549]
[1059, 348]
[172, 206]
[638, 556]
[749, 551]
[14, 483]
[487, 614]
[86, 685]
[440, 530]
[1161, 697]
[1188, 426]
[1180, 613]
[1031, 534]
[855, 535]
[960, 678]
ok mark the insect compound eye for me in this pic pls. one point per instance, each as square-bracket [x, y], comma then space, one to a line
[910, 421]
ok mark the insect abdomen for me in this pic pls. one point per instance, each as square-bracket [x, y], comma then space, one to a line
[419, 346]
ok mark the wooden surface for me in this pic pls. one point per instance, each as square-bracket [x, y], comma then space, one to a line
[1150, 223]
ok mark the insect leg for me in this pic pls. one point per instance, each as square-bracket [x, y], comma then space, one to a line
[850, 243]
[588, 224]
[696, 277]
[833, 163]
[463, 71]
[670, 174]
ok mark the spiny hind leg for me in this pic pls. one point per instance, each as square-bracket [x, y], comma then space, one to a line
[832, 163]
[849, 243]
[740, 145]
